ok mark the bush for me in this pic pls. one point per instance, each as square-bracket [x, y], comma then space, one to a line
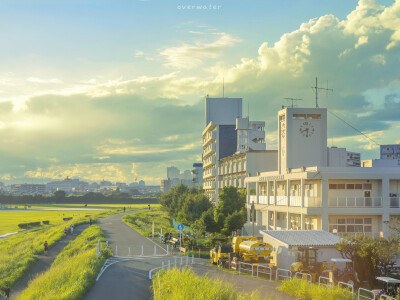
[303, 290]
[46, 222]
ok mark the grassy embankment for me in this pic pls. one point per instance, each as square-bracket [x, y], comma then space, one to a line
[142, 222]
[303, 290]
[19, 252]
[74, 270]
[176, 284]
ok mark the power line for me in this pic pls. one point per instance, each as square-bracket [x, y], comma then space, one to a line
[359, 131]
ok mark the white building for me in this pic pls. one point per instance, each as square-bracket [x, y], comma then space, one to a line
[197, 172]
[225, 137]
[67, 185]
[390, 151]
[308, 191]
[28, 189]
[390, 157]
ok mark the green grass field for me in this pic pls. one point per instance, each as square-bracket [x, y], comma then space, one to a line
[9, 220]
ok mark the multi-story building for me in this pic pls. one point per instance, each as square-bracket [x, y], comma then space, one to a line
[219, 138]
[28, 189]
[234, 169]
[389, 157]
[250, 135]
[67, 185]
[197, 173]
[310, 190]
[390, 151]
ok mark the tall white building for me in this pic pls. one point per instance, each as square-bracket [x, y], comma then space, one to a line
[250, 135]
[312, 190]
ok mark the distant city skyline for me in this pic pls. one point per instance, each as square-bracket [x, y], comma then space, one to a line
[115, 91]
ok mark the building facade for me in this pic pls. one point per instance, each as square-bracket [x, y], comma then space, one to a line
[311, 191]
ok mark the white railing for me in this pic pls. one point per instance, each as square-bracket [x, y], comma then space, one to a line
[346, 286]
[209, 184]
[281, 200]
[312, 202]
[303, 275]
[253, 198]
[263, 199]
[295, 200]
[324, 281]
[287, 274]
[242, 267]
[262, 269]
[394, 202]
[356, 202]
[271, 200]
[370, 293]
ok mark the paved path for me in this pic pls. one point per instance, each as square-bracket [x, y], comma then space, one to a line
[130, 279]
[44, 262]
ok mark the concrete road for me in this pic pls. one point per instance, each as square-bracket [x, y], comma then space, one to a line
[129, 279]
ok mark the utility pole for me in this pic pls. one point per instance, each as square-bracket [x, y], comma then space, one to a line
[316, 88]
[253, 215]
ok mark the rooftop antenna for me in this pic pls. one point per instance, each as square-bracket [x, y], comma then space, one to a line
[292, 99]
[318, 88]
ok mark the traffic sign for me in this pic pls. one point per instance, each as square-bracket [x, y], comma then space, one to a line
[180, 227]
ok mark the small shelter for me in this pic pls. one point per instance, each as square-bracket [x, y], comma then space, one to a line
[287, 243]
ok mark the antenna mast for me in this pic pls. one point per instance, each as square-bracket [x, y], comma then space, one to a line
[316, 88]
[292, 99]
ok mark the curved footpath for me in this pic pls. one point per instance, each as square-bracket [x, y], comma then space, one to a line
[43, 262]
[129, 279]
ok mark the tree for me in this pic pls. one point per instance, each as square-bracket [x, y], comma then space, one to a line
[59, 196]
[234, 222]
[208, 220]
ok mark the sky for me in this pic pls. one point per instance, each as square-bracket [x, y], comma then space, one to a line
[115, 90]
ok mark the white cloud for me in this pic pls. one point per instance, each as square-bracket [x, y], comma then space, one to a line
[189, 56]
[41, 80]
[170, 138]
[378, 59]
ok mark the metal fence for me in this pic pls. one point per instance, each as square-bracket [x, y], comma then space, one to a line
[370, 293]
[287, 274]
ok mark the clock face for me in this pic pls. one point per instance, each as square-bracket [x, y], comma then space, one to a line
[283, 129]
[306, 129]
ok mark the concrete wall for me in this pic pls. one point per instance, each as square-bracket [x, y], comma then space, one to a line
[222, 111]
[337, 157]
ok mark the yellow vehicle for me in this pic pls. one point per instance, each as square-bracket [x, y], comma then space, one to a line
[220, 253]
[250, 249]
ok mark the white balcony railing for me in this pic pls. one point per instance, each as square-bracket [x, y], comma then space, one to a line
[281, 200]
[295, 201]
[263, 199]
[312, 202]
[209, 137]
[355, 202]
[209, 149]
[209, 161]
[209, 173]
[209, 185]
[253, 198]
[271, 200]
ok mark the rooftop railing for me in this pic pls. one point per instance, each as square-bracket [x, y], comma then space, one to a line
[355, 202]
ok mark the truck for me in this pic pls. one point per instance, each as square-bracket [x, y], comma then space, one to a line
[221, 253]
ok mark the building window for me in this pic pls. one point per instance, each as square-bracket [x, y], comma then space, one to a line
[332, 186]
[358, 186]
[349, 186]
[351, 225]
[341, 186]
[367, 186]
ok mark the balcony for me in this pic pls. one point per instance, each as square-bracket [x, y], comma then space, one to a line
[281, 200]
[209, 161]
[252, 198]
[209, 173]
[394, 202]
[295, 201]
[209, 149]
[209, 185]
[210, 137]
[271, 200]
[355, 202]
[312, 202]
[263, 200]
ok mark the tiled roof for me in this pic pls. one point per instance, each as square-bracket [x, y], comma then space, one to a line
[303, 237]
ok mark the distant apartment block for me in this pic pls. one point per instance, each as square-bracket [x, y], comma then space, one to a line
[175, 177]
[389, 157]
[390, 151]
[197, 174]
[28, 189]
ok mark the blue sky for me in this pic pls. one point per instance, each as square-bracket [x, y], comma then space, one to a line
[115, 89]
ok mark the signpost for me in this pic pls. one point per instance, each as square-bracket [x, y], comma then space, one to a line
[180, 227]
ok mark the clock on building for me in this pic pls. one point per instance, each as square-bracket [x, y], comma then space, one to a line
[306, 129]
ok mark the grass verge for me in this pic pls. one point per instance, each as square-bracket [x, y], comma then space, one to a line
[142, 222]
[74, 270]
[303, 290]
[185, 284]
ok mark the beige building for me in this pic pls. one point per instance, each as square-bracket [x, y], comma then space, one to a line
[310, 192]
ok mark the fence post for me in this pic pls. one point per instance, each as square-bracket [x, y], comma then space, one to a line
[181, 260]
[252, 270]
[162, 266]
[169, 265]
[142, 250]
[167, 249]
[175, 262]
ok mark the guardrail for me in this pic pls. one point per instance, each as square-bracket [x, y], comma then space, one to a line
[246, 269]
[346, 286]
[325, 281]
[288, 272]
[268, 270]
[386, 297]
[359, 296]
[306, 275]
[175, 265]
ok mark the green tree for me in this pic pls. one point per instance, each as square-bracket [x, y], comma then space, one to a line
[208, 220]
[234, 222]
